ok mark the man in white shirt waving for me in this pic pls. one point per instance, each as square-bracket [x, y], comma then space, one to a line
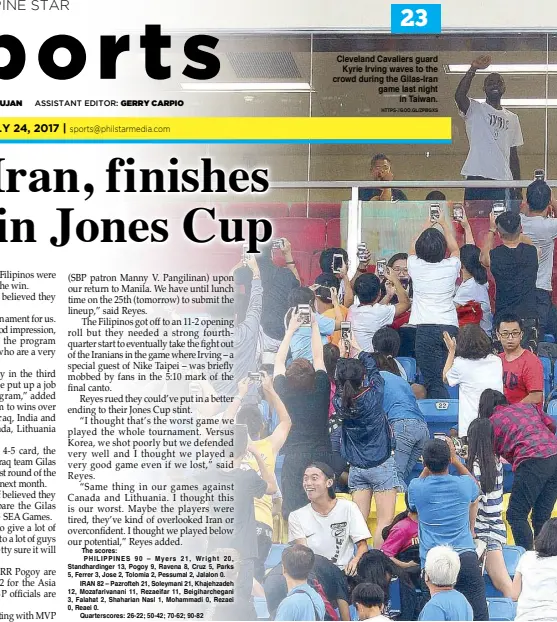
[493, 133]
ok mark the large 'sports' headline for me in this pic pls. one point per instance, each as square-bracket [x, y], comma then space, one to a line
[122, 177]
[197, 49]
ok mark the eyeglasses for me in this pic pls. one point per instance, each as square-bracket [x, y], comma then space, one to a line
[400, 270]
[385, 167]
[515, 334]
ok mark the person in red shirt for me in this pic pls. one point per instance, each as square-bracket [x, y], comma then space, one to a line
[524, 437]
[522, 370]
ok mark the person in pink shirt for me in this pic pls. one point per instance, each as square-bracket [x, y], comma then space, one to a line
[401, 539]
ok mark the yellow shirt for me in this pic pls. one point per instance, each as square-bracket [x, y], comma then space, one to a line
[264, 506]
[335, 337]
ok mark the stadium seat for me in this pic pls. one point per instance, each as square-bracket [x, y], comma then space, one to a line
[409, 365]
[275, 555]
[548, 338]
[501, 609]
[304, 234]
[254, 210]
[333, 233]
[315, 269]
[552, 410]
[511, 554]
[547, 374]
[508, 477]
[440, 415]
[395, 599]
[453, 391]
[315, 210]
[303, 264]
[261, 608]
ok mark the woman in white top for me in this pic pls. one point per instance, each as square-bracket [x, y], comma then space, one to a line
[535, 580]
[433, 309]
[473, 367]
[474, 286]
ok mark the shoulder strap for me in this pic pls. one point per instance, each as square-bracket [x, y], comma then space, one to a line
[315, 612]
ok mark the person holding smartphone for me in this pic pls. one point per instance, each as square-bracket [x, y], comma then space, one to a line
[433, 309]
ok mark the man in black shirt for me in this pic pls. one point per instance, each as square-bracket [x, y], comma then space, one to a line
[514, 266]
[381, 170]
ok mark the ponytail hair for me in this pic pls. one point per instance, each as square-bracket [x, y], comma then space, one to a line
[489, 400]
[481, 440]
[470, 259]
[349, 377]
[386, 363]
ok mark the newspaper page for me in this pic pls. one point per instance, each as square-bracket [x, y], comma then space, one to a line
[197, 301]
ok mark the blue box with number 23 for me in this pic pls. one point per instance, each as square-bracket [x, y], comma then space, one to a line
[415, 19]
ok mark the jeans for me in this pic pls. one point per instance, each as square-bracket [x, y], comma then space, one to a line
[534, 488]
[470, 583]
[547, 313]
[377, 479]
[431, 355]
[264, 543]
[411, 436]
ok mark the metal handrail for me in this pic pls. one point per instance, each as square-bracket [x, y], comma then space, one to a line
[465, 183]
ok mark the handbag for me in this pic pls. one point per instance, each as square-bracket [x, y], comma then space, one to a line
[469, 313]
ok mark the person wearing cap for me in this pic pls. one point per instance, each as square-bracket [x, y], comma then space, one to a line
[327, 525]
[514, 266]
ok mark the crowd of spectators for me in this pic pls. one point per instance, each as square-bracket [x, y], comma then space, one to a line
[317, 382]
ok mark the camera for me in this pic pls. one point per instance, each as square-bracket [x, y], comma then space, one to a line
[539, 174]
[458, 211]
[304, 311]
[380, 267]
[278, 244]
[434, 212]
[499, 208]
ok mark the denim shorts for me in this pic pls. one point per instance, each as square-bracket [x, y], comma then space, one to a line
[376, 479]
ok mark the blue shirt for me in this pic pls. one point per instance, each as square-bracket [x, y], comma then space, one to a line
[443, 506]
[301, 606]
[399, 401]
[449, 605]
[300, 346]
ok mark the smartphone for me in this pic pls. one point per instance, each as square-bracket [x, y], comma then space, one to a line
[499, 208]
[458, 211]
[278, 243]
[381, 267]
[245, 255]
[304, 311]
[338, 260]
[539, 174]
[362, 251]
[346, 331]
[440, 435]
[195, 389]
[254, 377]
[434, 212]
